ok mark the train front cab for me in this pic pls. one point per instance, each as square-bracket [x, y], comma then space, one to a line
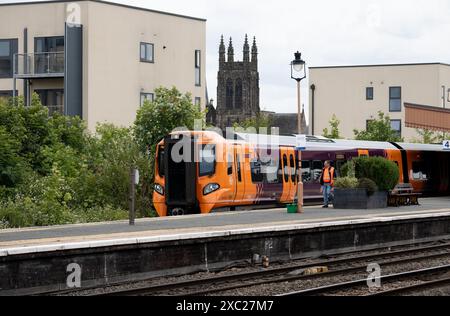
[219, 179]
[188, 174]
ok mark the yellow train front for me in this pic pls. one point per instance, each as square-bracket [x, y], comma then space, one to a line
[201, 172]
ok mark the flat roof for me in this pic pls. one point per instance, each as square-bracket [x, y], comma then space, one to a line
[104, 2]
[380, 65]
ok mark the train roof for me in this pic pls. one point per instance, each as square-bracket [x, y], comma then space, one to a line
[422, 147]
[314, 143]
[318, 143]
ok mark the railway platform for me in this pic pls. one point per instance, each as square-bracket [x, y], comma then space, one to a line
[35, 260]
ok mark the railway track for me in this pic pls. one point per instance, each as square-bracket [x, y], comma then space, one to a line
[344, 287]
[335, 267]
[416, 288]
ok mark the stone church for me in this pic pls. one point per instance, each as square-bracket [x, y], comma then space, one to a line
[238, 91]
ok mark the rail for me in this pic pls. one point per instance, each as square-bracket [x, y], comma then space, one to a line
[39, 65]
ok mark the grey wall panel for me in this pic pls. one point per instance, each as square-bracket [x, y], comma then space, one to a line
[73, 81]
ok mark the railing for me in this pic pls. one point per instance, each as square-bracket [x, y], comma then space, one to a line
[55, 109]
[39, 65]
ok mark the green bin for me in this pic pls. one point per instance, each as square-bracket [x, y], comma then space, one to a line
[292, 208]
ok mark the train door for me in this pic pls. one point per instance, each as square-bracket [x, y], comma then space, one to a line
[231, 174]
[285, 175]
[239, 177]
[396, 157]
[293, 174]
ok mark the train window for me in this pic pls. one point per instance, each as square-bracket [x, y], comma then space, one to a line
[286, 170]
[339, 165]
[161, 161]
[419, 171]
[293, 169]
[257, 176]
[317, 167]
[306, 171]
[270, 170]
[207, 165]
[238, 161]
[264, 171]
[230, 165]
[280, 170]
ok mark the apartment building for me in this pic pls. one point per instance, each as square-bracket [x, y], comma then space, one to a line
[97, 59]
[356, 94]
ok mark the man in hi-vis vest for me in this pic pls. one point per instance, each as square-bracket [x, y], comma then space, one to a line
[327, 182]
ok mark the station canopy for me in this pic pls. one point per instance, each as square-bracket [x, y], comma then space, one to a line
[427, 117]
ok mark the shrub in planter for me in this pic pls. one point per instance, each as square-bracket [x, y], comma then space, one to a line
[352, 193]
[346, 183]
[383, 172]
[369, 185]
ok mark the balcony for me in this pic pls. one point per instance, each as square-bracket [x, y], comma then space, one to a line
[39, 65]
[55, 109]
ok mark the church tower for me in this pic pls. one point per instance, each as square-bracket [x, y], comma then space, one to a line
[237, 85]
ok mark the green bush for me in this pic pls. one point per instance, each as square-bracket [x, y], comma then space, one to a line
[53, 171]
[346, 183]
[367, 184]
[383, 172]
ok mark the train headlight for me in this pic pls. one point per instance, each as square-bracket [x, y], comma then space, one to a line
[210, 188]
[159, 189]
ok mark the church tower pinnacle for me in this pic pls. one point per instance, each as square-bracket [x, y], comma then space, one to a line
[230, 51]
[246, 50]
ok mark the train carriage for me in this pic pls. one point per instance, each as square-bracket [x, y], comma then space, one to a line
[202, 172]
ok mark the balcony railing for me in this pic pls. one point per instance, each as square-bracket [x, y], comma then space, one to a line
[55, 109]
[39, 65]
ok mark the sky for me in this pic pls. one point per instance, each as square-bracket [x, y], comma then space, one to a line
[326, 32]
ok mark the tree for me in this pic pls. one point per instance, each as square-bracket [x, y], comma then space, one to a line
[426, 136]
[10, 161]
[379, 130]
[260, 121]
[158, 118]
[334, 124]
[441, 137]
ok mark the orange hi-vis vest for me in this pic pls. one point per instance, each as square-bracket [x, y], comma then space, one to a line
[328, 175]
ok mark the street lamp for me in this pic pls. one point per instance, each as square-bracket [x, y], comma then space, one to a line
[298, 73]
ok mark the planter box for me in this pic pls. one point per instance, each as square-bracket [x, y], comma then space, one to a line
[359, 199]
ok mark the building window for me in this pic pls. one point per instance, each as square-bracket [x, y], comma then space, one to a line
[443, 96]
[229, 94]
[448, 95]
[369, 93]
[395, 99]
[6, 94]
[198, 67]
[7, 50]
[147, 97]
[396, 125]
[49, 56]
[53, 99]
[49, 44]
[198, 102]
[238, 97]
[147, 53]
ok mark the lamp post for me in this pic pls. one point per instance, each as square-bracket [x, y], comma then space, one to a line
[298, 73]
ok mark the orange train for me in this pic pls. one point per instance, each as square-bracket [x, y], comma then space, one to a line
[202, 172]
